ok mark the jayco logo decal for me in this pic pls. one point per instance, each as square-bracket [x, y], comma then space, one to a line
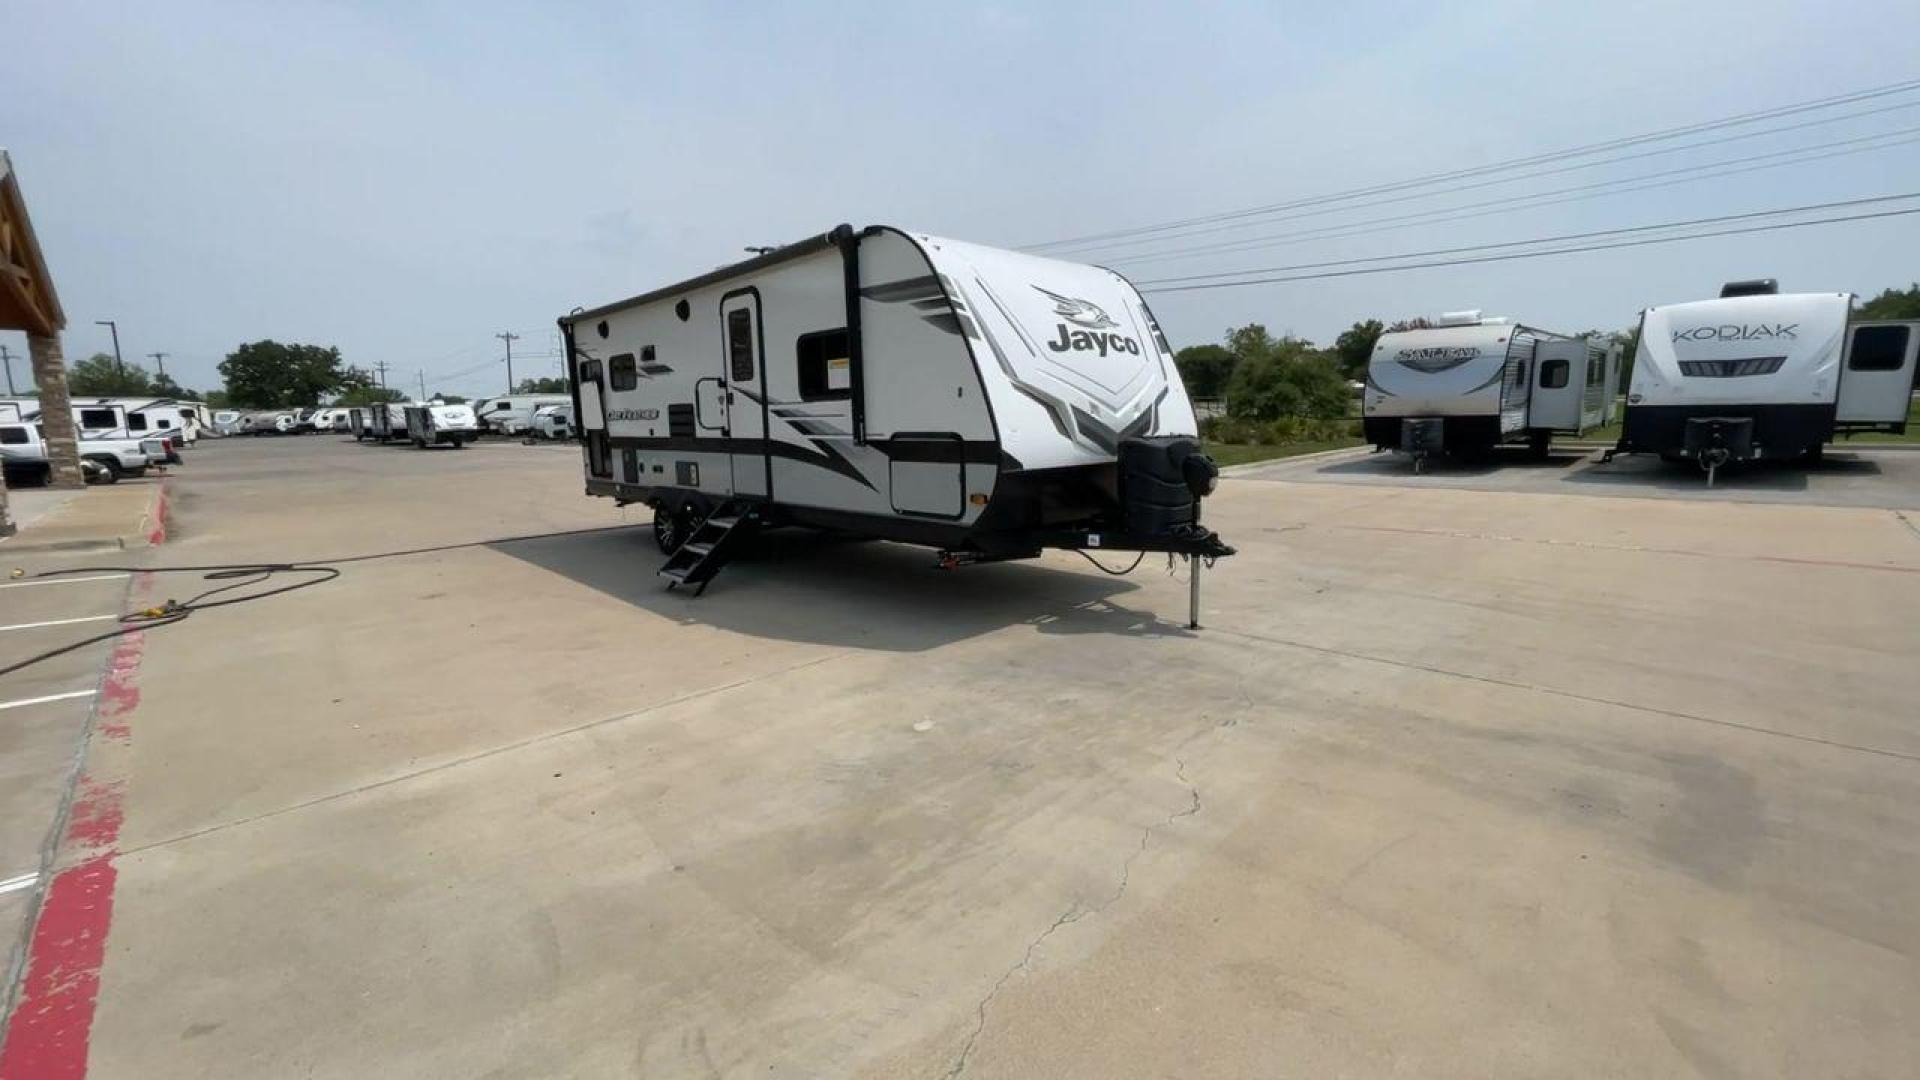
[1739, 332]
[1093, 323]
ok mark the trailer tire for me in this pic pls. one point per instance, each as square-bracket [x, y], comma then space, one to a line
[670, 529]
[419, 443]
[111, 469]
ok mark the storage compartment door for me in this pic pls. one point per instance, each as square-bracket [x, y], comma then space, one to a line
[1559, 383]
[927, 473]
[1876, 377]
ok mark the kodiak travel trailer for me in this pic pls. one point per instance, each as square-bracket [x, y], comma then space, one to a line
[1758, 374]
[436, 423]
[982, 402]
[1471, 383]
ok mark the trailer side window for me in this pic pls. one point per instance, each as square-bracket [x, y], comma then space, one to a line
[1553, 374]
[1878, 348]
[826, 374]
[740, 343]
[1596, 369]
[136, 421]
[98, 418]
[625, 374]
[13, 436]
[589, 372]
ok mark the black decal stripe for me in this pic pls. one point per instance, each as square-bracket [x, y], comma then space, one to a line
[943, 451]
[818, 456]
[893, 292]
[945, 321]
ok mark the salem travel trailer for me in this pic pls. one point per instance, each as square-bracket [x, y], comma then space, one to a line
[983, 402]
[1758, 374]
[438, 424]
[1472, 383]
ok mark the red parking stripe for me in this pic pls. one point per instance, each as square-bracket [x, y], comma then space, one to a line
[48, 1035]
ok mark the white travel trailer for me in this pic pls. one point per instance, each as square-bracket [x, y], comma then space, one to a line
[512, 414]
[439, 424]
[388, 420]
[1760, 374]
[984, 402]
[1471, 383]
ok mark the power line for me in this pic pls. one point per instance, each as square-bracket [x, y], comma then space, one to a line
[1538, 240]
[1499, 166]
[1620, 186]
[1325, 210]
[1537, 254]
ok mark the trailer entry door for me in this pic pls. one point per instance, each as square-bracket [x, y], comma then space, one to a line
[1877, 375]
[746, 396]
[593, 418]
[1559, 384]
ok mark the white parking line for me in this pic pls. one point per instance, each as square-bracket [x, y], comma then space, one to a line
[56, 622]
[65, 580]
[15, 884]
[24, 702]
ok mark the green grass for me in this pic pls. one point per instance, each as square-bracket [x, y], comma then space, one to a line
[1225, 454]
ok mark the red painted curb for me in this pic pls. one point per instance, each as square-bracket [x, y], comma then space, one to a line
[158, 534]
[50, 1032]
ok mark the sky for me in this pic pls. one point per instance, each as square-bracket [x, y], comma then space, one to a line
[405, 181]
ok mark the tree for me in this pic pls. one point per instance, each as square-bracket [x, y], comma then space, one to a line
[164, 386]
[451, 399]
[1892, 304]
[99, 376]
[1354, 348]
[269, 375]
[541, 386]
[368, 395]
[1285, 376]
[1205, 369]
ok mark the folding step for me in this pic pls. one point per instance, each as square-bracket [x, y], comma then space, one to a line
[701, 556]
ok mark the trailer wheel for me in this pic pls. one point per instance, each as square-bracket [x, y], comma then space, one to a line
[670, 529]
[109, 469]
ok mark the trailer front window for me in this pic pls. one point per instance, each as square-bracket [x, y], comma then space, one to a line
[625, 373]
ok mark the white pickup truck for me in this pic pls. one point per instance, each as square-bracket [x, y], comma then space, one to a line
[23, 452]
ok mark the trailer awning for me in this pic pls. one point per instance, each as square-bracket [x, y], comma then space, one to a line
[27, 299]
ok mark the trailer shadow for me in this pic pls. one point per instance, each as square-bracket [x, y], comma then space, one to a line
[1503, 460]
[1772, 476]
[795, 585]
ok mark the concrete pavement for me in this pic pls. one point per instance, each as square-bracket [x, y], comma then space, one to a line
[1455, 783]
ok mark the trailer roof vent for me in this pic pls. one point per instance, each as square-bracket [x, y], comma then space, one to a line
[1460, 318]
[1765, 286]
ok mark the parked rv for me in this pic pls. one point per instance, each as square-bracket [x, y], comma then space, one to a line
[387, 420]
[271, 422]
[357, 422]
[1471, 383]
[984, 402]
[228, 422]
[1762, 374]
[553, 422]
[437, 424]
[512, 414]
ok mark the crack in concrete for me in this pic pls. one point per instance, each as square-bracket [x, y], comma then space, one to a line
[1907, 521]
[1073, 914]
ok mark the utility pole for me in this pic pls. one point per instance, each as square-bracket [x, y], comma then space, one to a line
[509, 337]
[381, 369]
[7, 358]
[160, 359]
[423, 384]
[118, 367]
